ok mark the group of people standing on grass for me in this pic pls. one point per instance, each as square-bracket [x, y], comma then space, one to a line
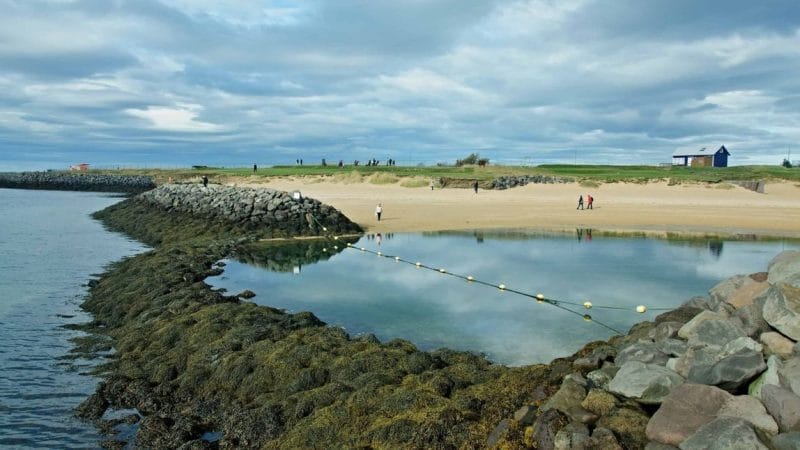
[589, 201]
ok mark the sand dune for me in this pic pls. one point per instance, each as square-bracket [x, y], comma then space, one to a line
[653, 207]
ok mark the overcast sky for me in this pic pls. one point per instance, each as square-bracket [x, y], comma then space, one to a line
[186, 82]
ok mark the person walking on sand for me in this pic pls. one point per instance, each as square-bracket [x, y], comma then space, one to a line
[205, 181]
[378, 211]
[255, 168]
[475, 186]
[580, 202]
[589, 200]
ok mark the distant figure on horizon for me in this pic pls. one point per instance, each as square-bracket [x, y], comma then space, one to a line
[475, 186]
[580, 202]
[378, 211]
[205, 181]
[431, 184]
[589, 200]
[255, 168]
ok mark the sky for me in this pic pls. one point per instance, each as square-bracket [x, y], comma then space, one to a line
[175, 83]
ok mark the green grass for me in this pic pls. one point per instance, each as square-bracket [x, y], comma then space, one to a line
[596, 173]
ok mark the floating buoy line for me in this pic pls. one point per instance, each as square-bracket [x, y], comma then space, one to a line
[540, 298]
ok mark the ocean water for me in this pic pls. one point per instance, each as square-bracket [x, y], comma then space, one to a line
[364, 293]
[49, 249]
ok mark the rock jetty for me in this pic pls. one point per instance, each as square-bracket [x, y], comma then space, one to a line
[508, 182]
[66, 181]
[255, 208]
[720, 372]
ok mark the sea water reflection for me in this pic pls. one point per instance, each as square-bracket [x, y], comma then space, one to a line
[367, 294]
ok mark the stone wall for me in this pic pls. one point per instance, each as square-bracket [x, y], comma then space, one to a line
[251, 207]
[66, 181]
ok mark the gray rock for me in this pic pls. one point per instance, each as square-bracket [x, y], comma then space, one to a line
[545, 428]
[647, 383]
[785, 268]
[603, 439]
[698, 302]
[602, 376]
[672, 347]
[596, 358]
[571, 437]
[665, 330]
[646, 352]
[569, 395]
[783, 405]
[714, 332]
[732, 371]
[689, 329]
[724, 433]
[782, 309]
[750, 409]
[687, 408]
[750, 318]
[787, 441]
[776, 344]
[789, 374]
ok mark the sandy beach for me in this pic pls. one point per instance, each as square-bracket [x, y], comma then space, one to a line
[655, 208]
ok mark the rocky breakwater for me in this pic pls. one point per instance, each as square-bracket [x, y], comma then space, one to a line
[251, 208]
[66, 181]
[720, 372]
[512, 181]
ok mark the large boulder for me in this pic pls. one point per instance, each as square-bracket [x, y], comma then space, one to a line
[787, 441]
[785, 268]
[737, 291]
[783, 405]
[777, 344]
[789, 374]
[782, 309]
[687, 408]
[750, 409]
[646, 383]
[724, 433]
[646, 352]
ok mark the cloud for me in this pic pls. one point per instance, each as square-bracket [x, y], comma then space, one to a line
[423, 81]
[181, 118]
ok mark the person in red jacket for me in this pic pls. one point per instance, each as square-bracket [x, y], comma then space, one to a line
[589, 200]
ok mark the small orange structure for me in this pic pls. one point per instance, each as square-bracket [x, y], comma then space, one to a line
[82, 167]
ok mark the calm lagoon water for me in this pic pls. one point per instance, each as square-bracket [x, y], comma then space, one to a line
[364, 293]
[49, 248]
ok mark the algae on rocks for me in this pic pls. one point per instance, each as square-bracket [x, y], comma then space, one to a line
[192, 360]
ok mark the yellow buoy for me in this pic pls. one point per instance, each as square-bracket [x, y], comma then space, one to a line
[587, 317]
[397, 258]
[641, 309]
[470, 278]
[442, 271]
[419, 264]
[502, 287]
[380, 254]
[349, 244]
[540, 298]
[587, 304]
[324, 249]
[363, 249]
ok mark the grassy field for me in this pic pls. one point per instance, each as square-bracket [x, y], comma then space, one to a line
[596, 173]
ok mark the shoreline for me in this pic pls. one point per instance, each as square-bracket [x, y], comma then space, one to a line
[653, 208]
[192, 361]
